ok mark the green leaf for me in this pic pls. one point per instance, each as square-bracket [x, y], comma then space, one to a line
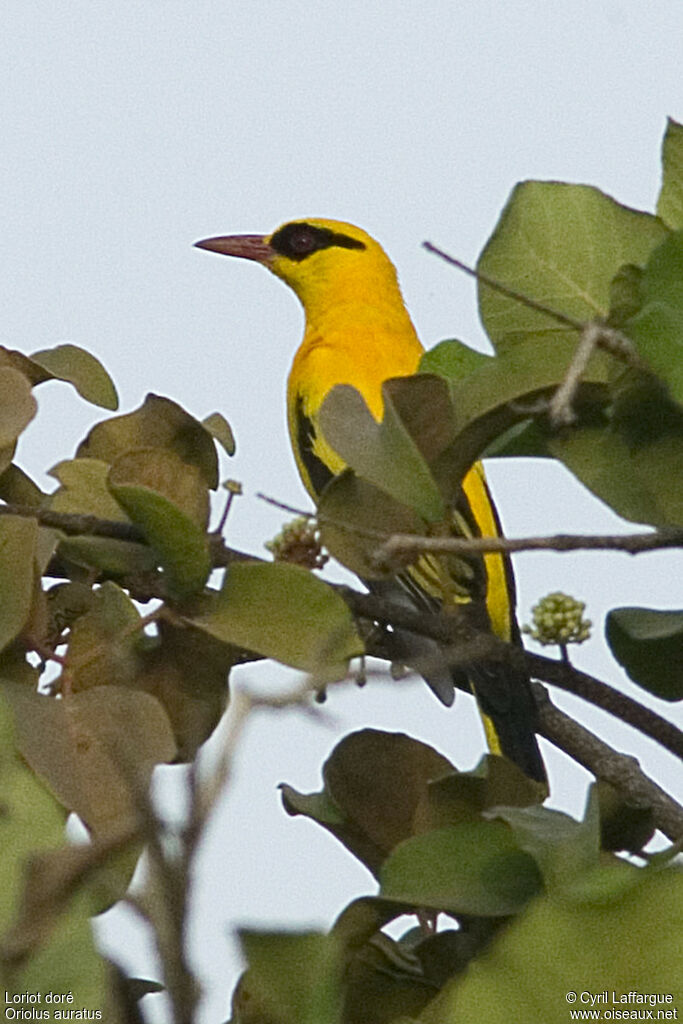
[561, 245]
[283, 612]
[463, 796]
[493, 399]
[158, 423]
[105, 641]
[670, 202]
[165, 473]
[220, 429]
[78, 367]
[384, 453]
[168, 500]
[32, 822]
[563, 848]
[83, 489]
[94, 750]
[649, 645]
[625, 294]
[624, 823]
[475, 868]
[108, 555]
[634, 480]
[31, 819]
[187, 671]
[18, 540]
[452, 359]
[620, 941]
[375, 785]
[355, 517]
[17, 405]
[291, 978]
[17, 488]
[657, 328]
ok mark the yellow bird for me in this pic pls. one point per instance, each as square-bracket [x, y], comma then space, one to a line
[358, 332]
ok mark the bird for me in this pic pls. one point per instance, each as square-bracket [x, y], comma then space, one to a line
[358, 332]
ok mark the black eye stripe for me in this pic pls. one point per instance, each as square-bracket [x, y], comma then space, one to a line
[298, 240]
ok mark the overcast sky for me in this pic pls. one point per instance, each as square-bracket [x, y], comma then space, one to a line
[131, 130]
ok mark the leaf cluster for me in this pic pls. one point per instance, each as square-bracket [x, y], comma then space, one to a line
[123, 612]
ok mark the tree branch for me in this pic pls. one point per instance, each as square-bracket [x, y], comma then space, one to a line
[75, 524]
[464, 645]
[631, 543]
[621, 770]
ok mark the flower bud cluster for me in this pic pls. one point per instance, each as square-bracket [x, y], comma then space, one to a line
[558, 619]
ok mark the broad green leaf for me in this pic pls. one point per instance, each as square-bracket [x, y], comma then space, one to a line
[167, 498]
[283, 612]
[291, 978]
[17, 405]
[165, 473]
[18, 361]
[670, 202]
[33, 822]
[477, 868]
[375, 785]
[83, 489]
[220, 429]
[463, 796]
[625, 294]
[562, 847]
[385, 981]
[78, 367]
[105, 641]
[560, 245]
[625, 823]
[17, 488]
[355, 517]
[94, 750]
[383, 453]
[108, 555]
[66, 602]
[18, 540]
[657, 327]
[187, 671]
[96, 873]
[452, 359]
[378, 781]
[158, 423]
[496, 397]
[634, 480]
[649, 645]
[620, 941]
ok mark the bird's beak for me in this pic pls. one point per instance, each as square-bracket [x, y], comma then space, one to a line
[247, 247]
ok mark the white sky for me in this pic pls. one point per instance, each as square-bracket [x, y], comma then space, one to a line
[131, 130]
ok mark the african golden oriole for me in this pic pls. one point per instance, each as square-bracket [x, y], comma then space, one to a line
[359, 332]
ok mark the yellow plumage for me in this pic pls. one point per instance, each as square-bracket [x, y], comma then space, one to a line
[358, 332]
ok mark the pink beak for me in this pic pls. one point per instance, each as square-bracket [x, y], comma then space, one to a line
[246, 247]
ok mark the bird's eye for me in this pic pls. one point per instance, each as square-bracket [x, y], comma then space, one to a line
[302, 240]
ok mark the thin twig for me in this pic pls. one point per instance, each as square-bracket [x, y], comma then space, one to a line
[609, 339]
[631, 543]
[497, 286]
[292, 509]
[560, 408]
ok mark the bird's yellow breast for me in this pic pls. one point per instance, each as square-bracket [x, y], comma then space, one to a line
[360, 348]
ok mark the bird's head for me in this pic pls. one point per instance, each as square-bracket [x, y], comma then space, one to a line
[319, 259]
